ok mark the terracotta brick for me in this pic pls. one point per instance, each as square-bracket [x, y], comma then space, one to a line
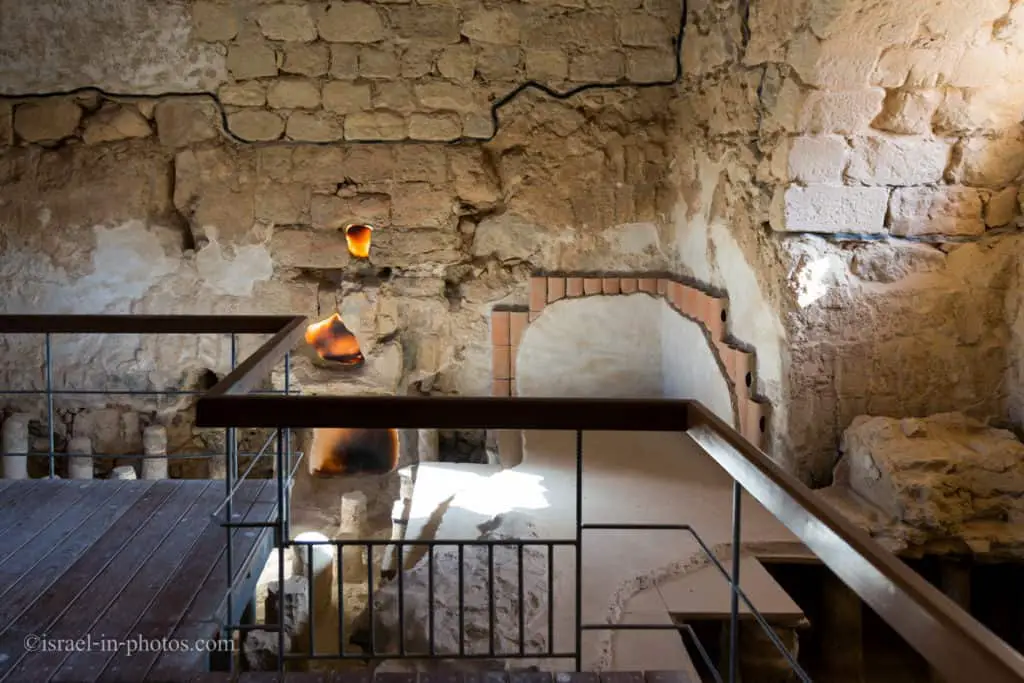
[500, 387]
[663, 285]
[698, 309]
[512, 388]
[500, 328]
[533, 315]
[675, 294]
[538, 294]
[728, 356]
[691, 301]
[610, 285]
[628, 285]
[744, 378]
[518, 320]
[648, 284]
[714, 317]
[556, 289]
[573, 286]
[754, 422]
[591, 285]
[501, 362]
[512, 362]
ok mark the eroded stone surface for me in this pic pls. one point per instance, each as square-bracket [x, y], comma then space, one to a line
[945, 481]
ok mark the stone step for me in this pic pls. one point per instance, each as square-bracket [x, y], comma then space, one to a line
[448, 677]
[704, 594]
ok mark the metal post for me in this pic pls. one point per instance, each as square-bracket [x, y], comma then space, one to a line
[49, 401]
[229, 483]
[283, 446]
[734, 608]
[579, 552]
[284, 510]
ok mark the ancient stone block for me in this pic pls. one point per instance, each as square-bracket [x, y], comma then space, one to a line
[396, 96]
[48, 120]
[418, 205]
[975, 110]
[457, 63]
[344, 61]
[214, 22]
[915, 67]
[283, 204]
[376, 126]
[498, 63]
[908, 112]
[352, 22]
[291, 23]
[251, 60]
[309, 249]
[542, 65]
[644, 30]
[818, 159]
[249, 94]
[115, 122]
[595, 66]
[293, 93]
[478, 126]
[918, 211]
[256, 125]
[897, 160]
[831, 64]
[650, 66]
[1002, 207]
[435, 127]
[6, 124]
[314, 127]
[992, 162]
[830, 209]
[473, 183]
[438, 95]
[583, 30]
[183, 122]
[418, 60]
[438, 24]
[378, 62]
[840, 112]
[306, 59]
[346, 98]
[937, 474]
[427, 163]
[497, 26]
[331, 211]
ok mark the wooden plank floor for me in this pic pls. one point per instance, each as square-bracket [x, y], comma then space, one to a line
[112, 580]
[453, 677]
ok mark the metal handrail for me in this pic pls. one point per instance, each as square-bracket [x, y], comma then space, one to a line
[950, 639]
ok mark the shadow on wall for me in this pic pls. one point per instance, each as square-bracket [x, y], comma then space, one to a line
[631, 346]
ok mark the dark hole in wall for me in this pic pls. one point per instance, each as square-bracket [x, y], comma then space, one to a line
[468, 446]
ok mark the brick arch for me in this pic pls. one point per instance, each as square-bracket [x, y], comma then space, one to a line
[689, 299]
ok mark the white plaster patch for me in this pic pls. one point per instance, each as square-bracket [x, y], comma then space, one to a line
[234, 271]
[126, 46]
[689, 367]
[598, 346]
[634, 238]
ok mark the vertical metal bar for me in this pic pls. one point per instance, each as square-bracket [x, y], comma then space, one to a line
[490, 599]
[282, 536]
[734, 607]
[462, 617]
[430, 598]
[579, 550]
[286, 511]
[401, 602]
[369, 593]
[310, 580]
[522, 607]
[341, 600]
[48, 345]
[229, 482]
[551, 598]
[280, 599]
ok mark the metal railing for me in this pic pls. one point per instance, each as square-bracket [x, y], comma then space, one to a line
[952, 641]
[231, 327]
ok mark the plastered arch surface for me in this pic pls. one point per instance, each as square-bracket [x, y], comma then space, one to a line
[625, 337]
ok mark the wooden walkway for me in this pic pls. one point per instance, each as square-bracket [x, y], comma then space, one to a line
[114, 580]
[447, 677]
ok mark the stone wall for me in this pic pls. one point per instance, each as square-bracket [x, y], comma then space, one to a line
[140, 199]
[850, 175]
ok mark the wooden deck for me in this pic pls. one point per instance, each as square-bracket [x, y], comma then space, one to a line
[118, 580]
[452, 677]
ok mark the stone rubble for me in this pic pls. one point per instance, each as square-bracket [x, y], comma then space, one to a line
[945, 483]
